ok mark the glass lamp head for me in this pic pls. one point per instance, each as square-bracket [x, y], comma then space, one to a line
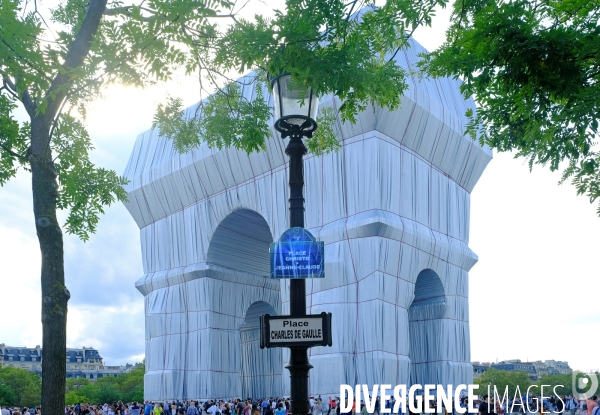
[294, 113]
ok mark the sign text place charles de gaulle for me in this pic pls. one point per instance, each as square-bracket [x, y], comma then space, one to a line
[284, 331]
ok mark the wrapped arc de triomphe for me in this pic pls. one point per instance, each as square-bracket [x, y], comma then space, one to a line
[392, 207]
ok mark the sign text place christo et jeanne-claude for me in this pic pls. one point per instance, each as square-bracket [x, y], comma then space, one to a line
[297, 254]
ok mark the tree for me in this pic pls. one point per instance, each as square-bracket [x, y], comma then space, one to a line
[501, 379]
[73, 398]
[107, 391]
[52, 72]
[533, 67]
[131, 385]
[21, 386]
[7, 396]
[562, 383]
[74, 384]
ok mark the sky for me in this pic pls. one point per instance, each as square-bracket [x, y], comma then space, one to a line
[534, 294]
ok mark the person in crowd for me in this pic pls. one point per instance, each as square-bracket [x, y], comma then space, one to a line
[317, 408]
[560, 405]
[280, 409]
[247, 408]
[239, 407]
[571, 404]
[487, 406]
[214, 409]
[331, 405]
[591, 404]
[192, 410]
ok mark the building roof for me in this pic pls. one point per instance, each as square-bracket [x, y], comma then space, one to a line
[526, 367]
[29, 354]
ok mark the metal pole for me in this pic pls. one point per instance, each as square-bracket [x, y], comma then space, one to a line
[299, 365]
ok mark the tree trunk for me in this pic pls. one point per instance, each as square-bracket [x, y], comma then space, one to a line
[54, 292]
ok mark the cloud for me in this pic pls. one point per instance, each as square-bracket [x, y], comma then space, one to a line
[116, 331]
[103, 270]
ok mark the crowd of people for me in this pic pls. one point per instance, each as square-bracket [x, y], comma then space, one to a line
[566, 405]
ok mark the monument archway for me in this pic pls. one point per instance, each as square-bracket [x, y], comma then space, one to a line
[238, 257]
[393, 201]
[261, 369]
[428, 341]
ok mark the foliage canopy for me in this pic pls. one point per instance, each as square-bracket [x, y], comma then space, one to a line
[534, 70]
[329, 46]
[562, 383]
[128, 387]
[19, 387]
[501, 379]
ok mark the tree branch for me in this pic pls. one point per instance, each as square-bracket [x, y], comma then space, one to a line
[76, 55]
[12, 153]
[126, 10]
[25, 98]
[432, 5]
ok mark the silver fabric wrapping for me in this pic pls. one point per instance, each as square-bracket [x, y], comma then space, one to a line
[392, 207]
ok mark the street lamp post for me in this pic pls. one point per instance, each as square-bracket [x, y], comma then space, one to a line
[295, 118]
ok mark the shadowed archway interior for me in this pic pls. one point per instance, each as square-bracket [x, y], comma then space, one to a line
[241, 241]
[427, 340]
[261, 368]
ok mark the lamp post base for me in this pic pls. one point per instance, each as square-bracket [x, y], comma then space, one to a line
[299, 367]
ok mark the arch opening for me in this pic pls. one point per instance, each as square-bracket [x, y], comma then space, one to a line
[241, 242]
[427, 339]
[261, 369]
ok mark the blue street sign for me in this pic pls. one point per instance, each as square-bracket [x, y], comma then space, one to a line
[297, 254]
